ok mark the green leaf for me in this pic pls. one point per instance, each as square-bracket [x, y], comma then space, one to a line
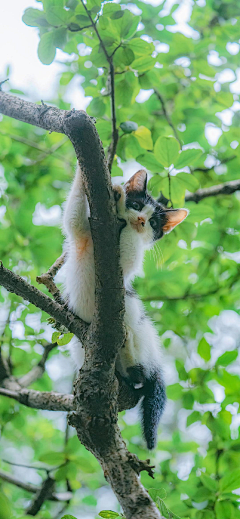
[97, 107]
[57, 16]
[143, 64]
[149, 161]
[65, 339]
[52, 458]
[224, 510]
[47, 48]
[188, 181]
[195, 416]
[124, 55]
[204, 350]
[5, 507]
[128, 126]
[187, 158]
[34, 18]
[108, 514]
[141, 47]
[175, 391]
[230, 481]
[227, 358]
[55, 336]
[68, 517]
[166, 150]
[144, 137]
[48, 43]
[209, 483]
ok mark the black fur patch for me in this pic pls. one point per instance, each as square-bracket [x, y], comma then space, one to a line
[153, 402]
[159, 212]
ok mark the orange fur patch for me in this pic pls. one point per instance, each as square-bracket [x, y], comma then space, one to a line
[137, 181]
[82, 245]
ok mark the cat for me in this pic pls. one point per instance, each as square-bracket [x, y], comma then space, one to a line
[139, 362]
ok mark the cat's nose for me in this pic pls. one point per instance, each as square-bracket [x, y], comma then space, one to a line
[141, 220]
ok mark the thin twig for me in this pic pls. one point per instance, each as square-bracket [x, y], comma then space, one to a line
[113, 146]
[38, 370]
[47, 279]
[167, 117]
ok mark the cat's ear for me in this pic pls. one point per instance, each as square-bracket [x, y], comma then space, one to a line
[137, 184]
[174, 217]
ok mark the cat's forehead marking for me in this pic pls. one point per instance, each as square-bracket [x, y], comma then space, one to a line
[148, 209]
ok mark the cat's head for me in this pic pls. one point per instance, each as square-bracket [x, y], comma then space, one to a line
[145, 215]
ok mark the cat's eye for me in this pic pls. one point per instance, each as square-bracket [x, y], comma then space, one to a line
[137, 206]
[153, 222]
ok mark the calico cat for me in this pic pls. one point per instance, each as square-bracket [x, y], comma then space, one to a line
[139, 361]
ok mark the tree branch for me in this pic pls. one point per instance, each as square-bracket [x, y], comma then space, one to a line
[47, 400]
[47, 279]
[20, 287]
[43, 494]
[96, 391]
[38, 370]
[55, 496]
[220, 189]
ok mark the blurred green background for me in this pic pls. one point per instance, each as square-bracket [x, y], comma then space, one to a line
[177, 77]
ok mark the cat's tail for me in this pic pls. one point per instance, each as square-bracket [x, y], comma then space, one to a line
[152, 406]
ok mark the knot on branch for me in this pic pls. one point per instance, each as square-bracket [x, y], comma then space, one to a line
[139, 465]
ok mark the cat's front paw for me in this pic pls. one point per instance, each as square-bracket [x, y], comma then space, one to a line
[120, 196]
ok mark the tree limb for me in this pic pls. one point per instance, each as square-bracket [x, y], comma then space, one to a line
[47, 400]
[55, 496]
[20, 287]
[226, 188]
[43, 494]
[37, 371]
[96, 391]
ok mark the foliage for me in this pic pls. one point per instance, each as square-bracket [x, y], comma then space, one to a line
[191, 281]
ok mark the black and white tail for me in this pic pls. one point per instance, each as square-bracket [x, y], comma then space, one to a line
[151, 390]
[152, 406]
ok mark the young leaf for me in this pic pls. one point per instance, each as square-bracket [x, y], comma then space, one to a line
[189, 181]
[204, 350]
[34, 18]
[144, 137]
[230, 481]
[174, 392]
[65, 339]
[227, 358]
[47, 48]
[187, 158]
[166, 150]
[108, 514]
[193, 417]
